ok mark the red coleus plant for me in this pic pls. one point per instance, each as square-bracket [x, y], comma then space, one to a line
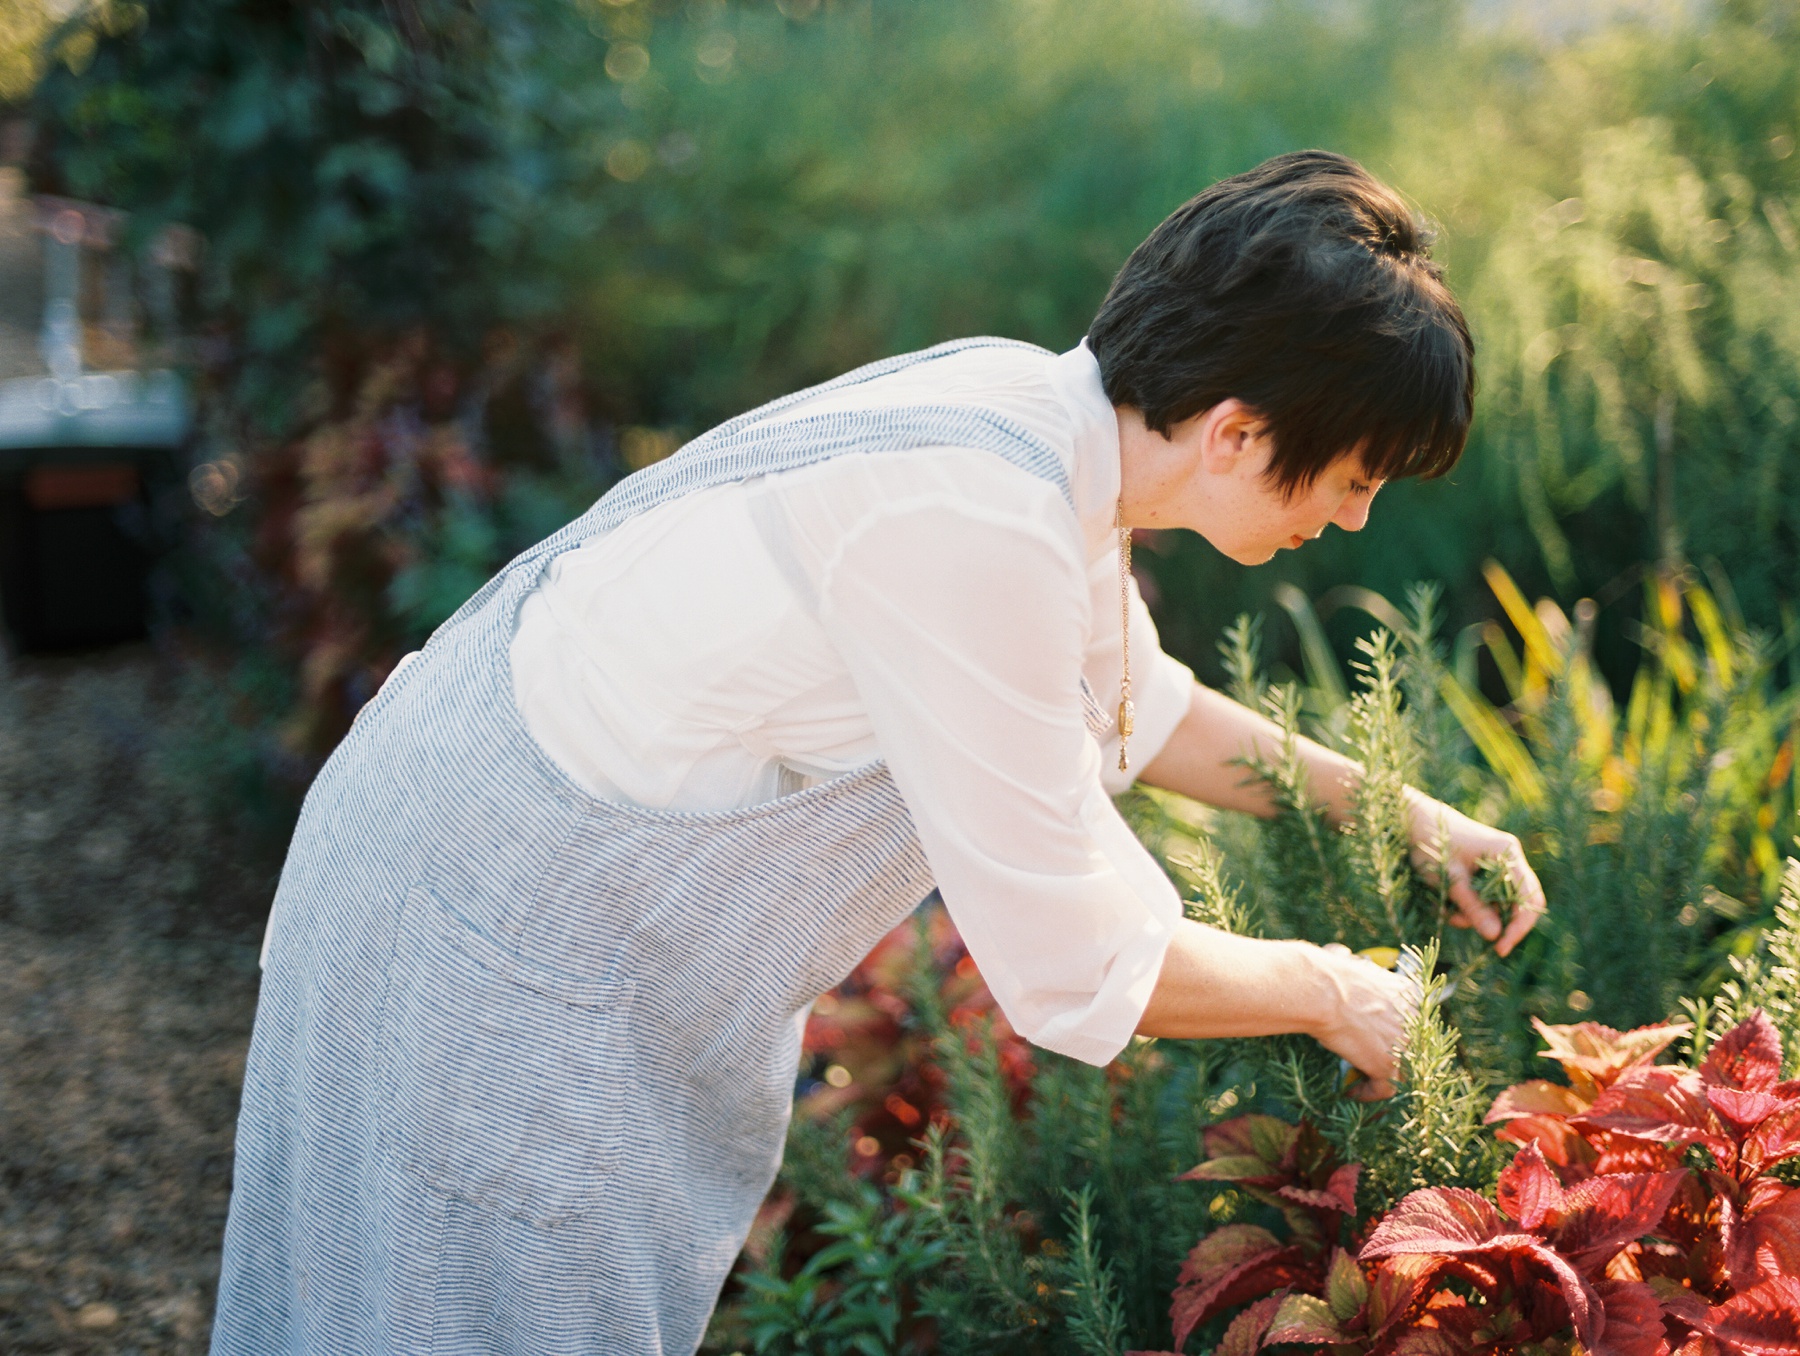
[1293, 1169]
[1737, 1225]
[1535, 1263]
[1733, 1225]
[1593, 1057]
[868, 1051]
[1598, 1239]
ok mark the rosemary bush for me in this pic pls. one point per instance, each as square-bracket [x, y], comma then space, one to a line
[1061, 1229]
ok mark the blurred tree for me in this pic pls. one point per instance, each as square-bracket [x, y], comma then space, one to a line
[357, 167]
[386, 388]
[669, 210]
[25, 25]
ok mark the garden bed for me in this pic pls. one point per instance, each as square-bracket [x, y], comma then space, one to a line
[1229, 1195]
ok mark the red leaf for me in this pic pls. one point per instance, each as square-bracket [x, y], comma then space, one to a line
[1762, 1192]
[1339, 1192]
[1764, 1320]
[1244, 1335]
[1528, 1190]
[1698, 1344]
[1451, 1221]
[1747, 1056]
[1625, 1154]
[1634, 1320]
[1446, 1327]
[1538, 1097]
[1436, 1220]
[1743, 1109]
[1561, 1142]
[1776, 1138]
[1583, 1305]
[1767, 1242]
[1682, 1305]
[1196, 1302]
[1395, 1288]
[1596, 1055]
[1264, 1137]
[1603, 1214]
[1654, 1102]
[1224, 1249]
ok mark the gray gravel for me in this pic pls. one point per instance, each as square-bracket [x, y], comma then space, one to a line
[129, 922]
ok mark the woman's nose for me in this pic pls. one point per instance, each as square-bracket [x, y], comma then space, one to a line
[1353, 512]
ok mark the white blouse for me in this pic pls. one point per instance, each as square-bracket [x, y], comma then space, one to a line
[934, 608]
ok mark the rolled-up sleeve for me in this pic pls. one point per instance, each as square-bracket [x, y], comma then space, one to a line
[965, 631]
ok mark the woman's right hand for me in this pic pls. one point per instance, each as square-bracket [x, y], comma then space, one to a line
[1217, 984]
[1362, 1016]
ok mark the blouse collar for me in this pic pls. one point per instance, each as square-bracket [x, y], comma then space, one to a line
[1094, 477]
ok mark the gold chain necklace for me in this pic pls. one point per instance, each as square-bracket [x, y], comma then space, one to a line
[1127, 711]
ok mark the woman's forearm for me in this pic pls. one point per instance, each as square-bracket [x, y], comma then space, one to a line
[1216, 984]
[1203, 760]
[1200, 759]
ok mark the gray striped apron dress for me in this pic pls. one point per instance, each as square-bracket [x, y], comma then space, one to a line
[524, 1059]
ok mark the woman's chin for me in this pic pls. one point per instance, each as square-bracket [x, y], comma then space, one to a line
[1244, 553]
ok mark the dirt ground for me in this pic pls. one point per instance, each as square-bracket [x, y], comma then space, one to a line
[129, 924]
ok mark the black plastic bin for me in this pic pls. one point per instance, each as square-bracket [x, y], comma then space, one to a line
[81, 459]
[75, 543]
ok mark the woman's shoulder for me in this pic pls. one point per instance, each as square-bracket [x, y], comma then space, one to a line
[1013, 380]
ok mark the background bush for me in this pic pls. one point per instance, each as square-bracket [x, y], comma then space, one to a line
[469, 259]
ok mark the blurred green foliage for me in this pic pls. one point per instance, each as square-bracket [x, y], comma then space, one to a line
[700, 205]
[24, 25]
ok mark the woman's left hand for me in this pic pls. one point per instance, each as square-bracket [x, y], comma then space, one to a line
[1466, 845]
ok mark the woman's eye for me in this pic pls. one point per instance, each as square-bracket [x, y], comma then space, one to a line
[1358, 487]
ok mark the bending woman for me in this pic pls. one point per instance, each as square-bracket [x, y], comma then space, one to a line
[556, 909]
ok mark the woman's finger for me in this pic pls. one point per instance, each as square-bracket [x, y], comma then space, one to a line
[1532, 906]
[1479, 915]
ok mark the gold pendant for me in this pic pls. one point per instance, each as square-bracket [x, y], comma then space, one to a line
[1127, 712]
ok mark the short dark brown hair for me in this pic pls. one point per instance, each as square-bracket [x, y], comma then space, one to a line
[1304, 288]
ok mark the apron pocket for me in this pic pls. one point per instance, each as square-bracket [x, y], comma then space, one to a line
[502, 1084]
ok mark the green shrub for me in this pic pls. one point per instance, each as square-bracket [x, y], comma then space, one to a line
[1061, 1228]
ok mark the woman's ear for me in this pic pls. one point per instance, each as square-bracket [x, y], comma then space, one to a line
[1231, 438]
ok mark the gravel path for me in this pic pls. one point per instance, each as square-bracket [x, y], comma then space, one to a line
[128, 932]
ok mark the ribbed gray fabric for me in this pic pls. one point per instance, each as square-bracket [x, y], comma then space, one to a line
[524, 1059]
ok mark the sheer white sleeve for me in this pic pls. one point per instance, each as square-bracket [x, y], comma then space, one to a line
[964, 631]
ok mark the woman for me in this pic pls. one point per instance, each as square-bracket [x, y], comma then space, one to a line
[556, 909]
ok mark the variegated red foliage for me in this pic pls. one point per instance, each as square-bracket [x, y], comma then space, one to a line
[1289, 1167]
[1536, 1258]
[867, 1034]
[1600, 1237]
[1593, 1058]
